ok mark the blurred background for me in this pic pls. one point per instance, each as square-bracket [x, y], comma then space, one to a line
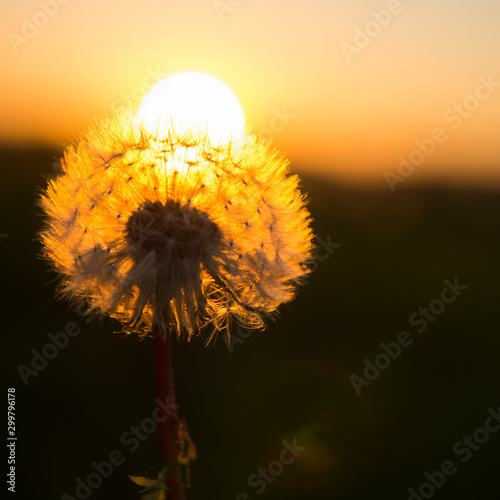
[389, 112]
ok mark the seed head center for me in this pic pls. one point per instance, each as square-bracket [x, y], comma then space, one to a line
[174, 232]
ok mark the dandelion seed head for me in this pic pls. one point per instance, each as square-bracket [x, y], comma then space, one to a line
[176, 230]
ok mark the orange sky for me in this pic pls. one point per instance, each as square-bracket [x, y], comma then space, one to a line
[347, 104]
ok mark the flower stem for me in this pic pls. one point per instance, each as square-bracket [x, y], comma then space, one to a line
[167, 430]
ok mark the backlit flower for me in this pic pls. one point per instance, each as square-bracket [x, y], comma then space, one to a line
[176, 229]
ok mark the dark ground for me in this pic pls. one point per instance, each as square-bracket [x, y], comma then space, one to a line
[291, 382]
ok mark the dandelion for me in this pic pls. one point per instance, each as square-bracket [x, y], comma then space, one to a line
[176, 229]
[171, 232]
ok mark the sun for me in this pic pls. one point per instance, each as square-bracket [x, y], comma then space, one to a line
[193, 102]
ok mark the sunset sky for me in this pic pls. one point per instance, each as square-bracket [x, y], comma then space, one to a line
[341, 102]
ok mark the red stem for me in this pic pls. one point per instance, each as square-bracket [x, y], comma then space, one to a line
[167, 430]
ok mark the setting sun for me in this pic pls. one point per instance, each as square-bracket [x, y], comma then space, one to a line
[195, 102]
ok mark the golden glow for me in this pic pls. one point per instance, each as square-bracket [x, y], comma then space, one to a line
[334, 118]
[193, 102]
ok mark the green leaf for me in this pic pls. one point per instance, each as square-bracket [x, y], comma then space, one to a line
[155, 488]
